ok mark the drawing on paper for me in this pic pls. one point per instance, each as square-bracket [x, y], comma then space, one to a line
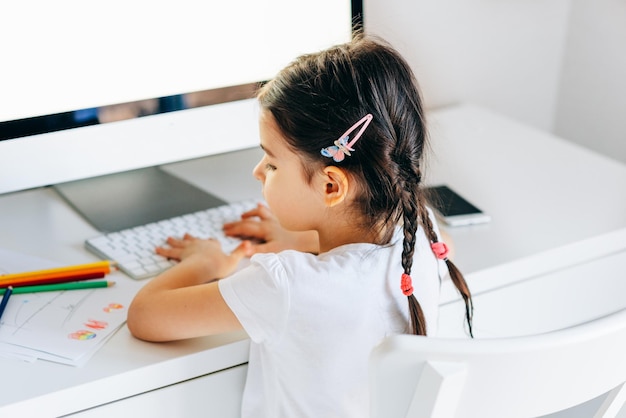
[82, 335]
[111, 307]
[95, 324]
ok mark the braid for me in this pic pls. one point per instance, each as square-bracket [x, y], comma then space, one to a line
[426, 222]
[455, 275]
[410, 223]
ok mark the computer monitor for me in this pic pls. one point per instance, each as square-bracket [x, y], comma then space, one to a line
[94, 88]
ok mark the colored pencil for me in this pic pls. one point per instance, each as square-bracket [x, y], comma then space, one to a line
[5, 299]
[58, 275]
[60, 286]
[104, 266]
[51, 280]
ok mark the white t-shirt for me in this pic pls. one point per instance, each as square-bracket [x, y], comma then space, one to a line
[313, 321]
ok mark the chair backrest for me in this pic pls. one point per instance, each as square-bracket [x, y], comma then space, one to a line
[415, 376]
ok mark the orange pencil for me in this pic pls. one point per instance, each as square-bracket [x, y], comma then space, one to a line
[51, 280]
[52, 274]
[58, 275]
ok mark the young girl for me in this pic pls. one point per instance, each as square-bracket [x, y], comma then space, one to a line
[351, 239]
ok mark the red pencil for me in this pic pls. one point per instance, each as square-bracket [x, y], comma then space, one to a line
[58, 275]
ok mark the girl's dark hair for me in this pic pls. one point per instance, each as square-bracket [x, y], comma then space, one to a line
[318, 96]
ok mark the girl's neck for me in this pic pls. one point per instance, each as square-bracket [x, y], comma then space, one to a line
[342, 224]
[330, 238]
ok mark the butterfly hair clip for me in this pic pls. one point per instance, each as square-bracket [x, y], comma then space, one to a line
[342, 147]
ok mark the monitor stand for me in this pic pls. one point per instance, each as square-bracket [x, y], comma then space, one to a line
[124, 200]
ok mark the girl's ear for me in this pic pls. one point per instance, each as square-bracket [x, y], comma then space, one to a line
[336, 185]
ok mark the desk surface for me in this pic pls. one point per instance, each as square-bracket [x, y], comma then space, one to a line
[543, 194]
[542, 191]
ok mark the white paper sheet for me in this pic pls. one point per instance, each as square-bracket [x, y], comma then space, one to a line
[66, 327]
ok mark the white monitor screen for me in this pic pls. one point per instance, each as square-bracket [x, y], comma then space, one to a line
[84, 59]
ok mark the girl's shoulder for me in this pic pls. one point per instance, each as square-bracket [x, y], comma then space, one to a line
[297, 262]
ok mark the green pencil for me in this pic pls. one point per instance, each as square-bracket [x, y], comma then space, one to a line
[59, 286]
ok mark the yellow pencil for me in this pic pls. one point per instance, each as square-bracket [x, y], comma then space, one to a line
[76, 272]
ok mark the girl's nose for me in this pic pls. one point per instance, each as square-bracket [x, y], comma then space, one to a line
[257, 171]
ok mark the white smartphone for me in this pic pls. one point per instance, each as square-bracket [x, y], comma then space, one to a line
[453, 209]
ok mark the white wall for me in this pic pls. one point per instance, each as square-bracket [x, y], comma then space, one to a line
[502, 54]
[558, 65]
[591, 106]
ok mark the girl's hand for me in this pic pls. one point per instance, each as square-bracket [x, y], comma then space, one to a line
[207, 253]
[260, 226]
[185, 301]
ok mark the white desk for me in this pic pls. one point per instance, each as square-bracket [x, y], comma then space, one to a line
[552, 202]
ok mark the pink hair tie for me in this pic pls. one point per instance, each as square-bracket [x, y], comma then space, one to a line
[440, 249]
[406, 285]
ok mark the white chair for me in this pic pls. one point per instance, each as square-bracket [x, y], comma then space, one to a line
[414, 376]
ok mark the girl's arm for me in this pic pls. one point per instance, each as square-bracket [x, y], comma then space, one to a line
[260, 225]
[185, 301]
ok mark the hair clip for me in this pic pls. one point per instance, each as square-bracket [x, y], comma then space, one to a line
[342, 147]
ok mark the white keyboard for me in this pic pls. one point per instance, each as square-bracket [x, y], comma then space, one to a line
[133, 248]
